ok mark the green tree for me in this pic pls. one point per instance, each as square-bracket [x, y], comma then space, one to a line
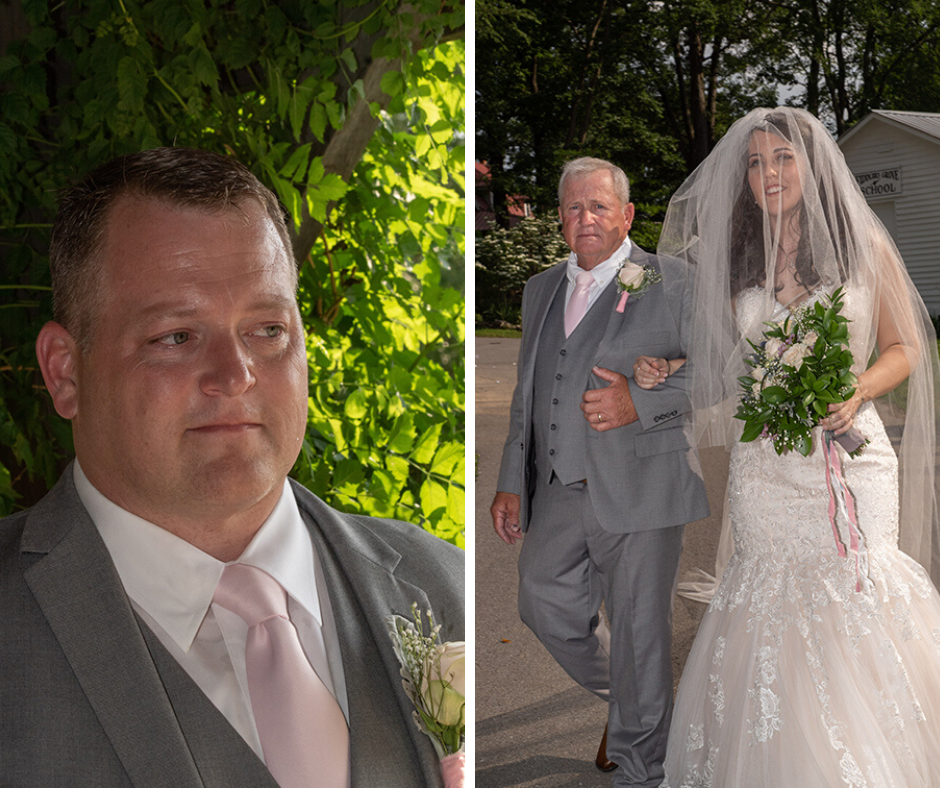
[353, 113]
[851, 57]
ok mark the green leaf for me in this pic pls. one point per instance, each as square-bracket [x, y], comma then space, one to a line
[392, 83]
[332, 186]
[348, 57]
[356, 405]
[318, 120]
[448, 456]
[403, 434]
[204, 66]
[427, 444]
[803, 444]
[433, 497]
[296, 166]
[132, 85]
[348, 474]
[752, 431]
[774, 394]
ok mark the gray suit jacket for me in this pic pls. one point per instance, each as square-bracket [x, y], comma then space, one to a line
[89, 696]
[642, 476]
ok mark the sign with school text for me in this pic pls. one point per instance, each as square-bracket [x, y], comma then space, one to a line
[880, 183]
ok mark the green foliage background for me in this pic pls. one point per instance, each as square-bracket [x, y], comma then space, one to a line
[283, 87]
[505, 260]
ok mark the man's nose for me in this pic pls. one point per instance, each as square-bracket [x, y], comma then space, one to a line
[228, 368]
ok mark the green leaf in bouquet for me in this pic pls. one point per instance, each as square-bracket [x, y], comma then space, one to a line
[774, 394]
[803, 444]
[747, 381]
[820, 407]
[752, 431]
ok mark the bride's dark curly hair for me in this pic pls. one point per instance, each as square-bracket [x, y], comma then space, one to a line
[747, 225]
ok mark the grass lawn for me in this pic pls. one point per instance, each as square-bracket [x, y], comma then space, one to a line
[509, 333]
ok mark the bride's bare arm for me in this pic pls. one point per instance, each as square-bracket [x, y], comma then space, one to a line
[898, 349]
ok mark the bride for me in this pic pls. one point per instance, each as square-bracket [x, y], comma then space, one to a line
[811, 668]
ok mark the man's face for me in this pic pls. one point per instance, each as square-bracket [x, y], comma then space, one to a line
[593, 219]
[192, 394]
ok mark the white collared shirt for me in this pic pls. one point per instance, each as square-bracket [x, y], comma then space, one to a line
[603, 272]
[171, 584]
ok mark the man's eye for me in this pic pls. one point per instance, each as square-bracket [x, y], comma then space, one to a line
[271, 331]
[176, 338]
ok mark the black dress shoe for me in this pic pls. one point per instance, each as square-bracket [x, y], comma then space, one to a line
[601, 761]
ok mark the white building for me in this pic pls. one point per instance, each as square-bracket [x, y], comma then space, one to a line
[895, 157]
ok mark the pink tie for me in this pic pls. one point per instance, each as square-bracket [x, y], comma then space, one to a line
[577, 304]
[302, 728]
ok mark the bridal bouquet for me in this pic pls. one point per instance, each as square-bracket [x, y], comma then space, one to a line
[801, 366]
[433, 675]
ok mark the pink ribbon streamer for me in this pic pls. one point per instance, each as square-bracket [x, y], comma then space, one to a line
[452, 768]
[623, 301]
[856, 541]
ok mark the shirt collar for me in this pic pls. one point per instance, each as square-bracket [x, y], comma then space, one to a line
[174, 581]
[605, 271]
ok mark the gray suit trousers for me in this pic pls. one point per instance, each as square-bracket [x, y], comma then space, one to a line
[567, 565]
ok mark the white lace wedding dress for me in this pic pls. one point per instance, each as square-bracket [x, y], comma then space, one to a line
[796, 679]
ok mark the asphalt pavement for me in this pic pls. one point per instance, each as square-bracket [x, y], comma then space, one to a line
[534, 726]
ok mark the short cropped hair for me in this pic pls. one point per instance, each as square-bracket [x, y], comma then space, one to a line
[577, 168]
[182, 177]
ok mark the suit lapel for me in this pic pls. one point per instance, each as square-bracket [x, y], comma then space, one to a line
[386, 747]
[609, 300]
[542, 302]
[76, 585]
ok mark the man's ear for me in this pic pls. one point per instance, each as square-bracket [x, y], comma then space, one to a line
[58, 356]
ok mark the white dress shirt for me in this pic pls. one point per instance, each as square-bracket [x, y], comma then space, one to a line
[171, 584]
[602, 272]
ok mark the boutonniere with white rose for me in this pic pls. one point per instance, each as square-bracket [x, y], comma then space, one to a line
[433, 675]
[634, 280]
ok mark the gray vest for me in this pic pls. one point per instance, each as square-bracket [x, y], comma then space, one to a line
[562, 372]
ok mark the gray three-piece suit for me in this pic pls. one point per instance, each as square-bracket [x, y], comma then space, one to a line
[603, 512]
[90, 697]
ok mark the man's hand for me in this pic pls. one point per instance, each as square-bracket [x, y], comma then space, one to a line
[611, 407]
[505, 511]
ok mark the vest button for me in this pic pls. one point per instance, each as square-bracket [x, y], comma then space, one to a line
[551, 452]
[554, 400]
[564, 352]
[558, 376]
[553, 427]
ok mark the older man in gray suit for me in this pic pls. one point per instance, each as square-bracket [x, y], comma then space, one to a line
[599, 474]
[175, 612]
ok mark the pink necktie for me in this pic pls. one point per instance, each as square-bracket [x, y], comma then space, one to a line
[302, 728]
[577, 304]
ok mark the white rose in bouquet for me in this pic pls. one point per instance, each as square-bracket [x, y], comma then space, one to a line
[793, 356]
[443, 682]
[773, 346]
